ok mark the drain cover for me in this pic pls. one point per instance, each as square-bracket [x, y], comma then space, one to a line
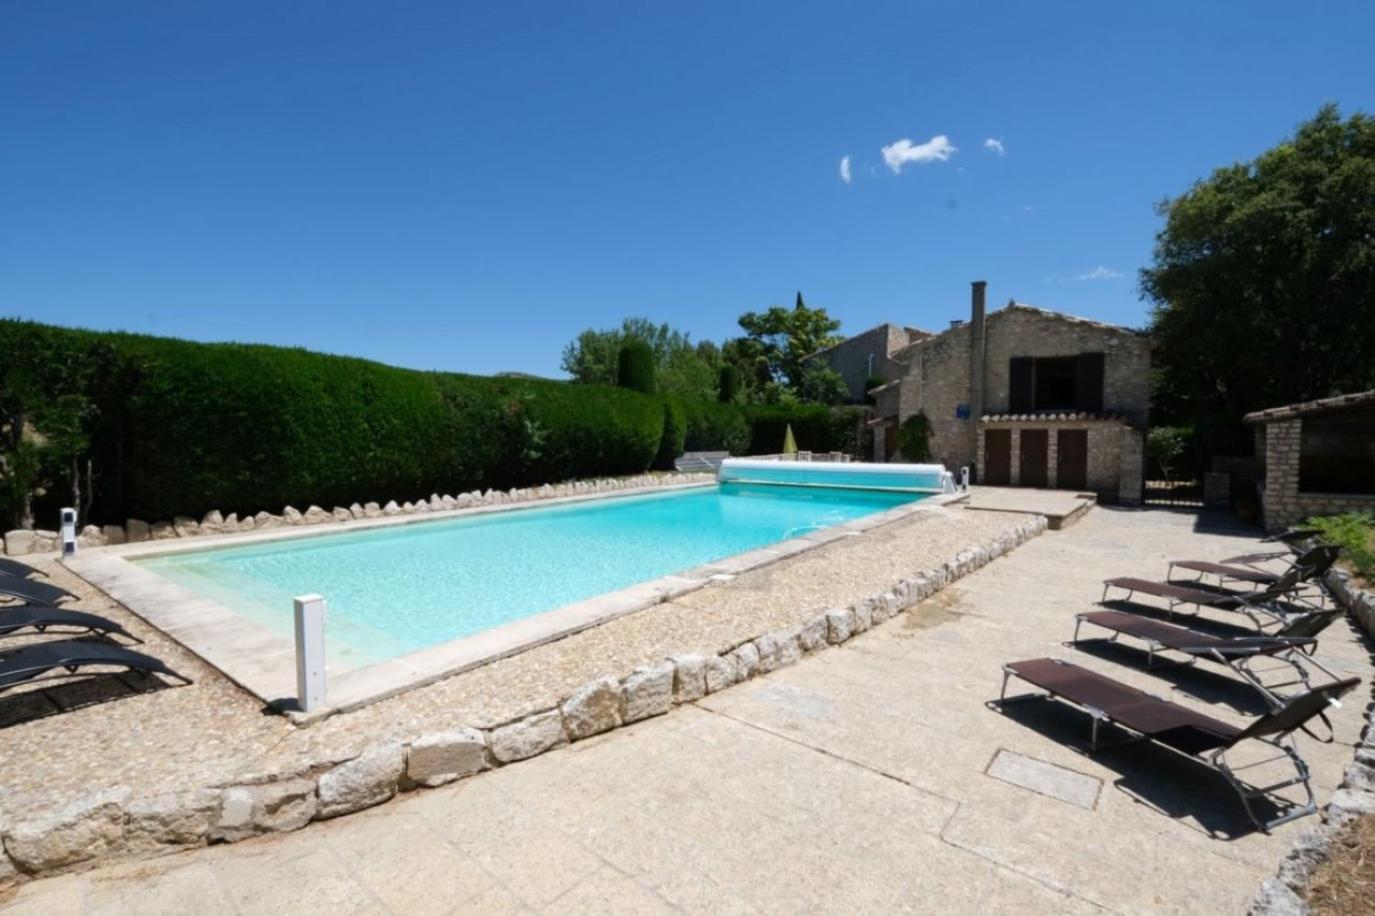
[1046, 779]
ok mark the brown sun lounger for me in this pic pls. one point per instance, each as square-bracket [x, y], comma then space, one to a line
[17, 619]
[1233, 652]
[1269, 605]
[65, 658]
[33, 592]
[1312, 563]
[1192, 734]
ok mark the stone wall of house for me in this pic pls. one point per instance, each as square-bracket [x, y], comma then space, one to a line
[1114, 455]
[852, 357]
[1025, 332]
[1282, 502]
[937, 383]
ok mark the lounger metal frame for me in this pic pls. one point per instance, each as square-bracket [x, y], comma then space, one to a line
[1216, 760]
[1297, 655]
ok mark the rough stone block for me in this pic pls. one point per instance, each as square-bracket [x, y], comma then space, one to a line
[185, 526]
[85, 829]
[271, 807]
[114, 534]
[840, 625]
[811, 635]
[720, 672]
[174, 819]
[443, 757]
[648, 692]
[532, 735]
[368, 779]
[292, 516]
[136, 531]
[689, 677]
[19, 542]
[767, 646]
[391, 508]
[163, 531]
[358, 511]
[341, 514]
[593, 708]
[787, 648]
[212, 521]
[746, 659]
[863, 615]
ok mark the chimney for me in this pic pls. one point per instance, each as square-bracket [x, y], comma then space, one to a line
[976, 354]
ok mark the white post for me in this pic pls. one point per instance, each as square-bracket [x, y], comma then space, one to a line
[68, 532]
[310, 652]
[964, 477]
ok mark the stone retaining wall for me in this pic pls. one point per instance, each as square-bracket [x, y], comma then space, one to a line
[1281, 895]
[112, 825]
[20, 542]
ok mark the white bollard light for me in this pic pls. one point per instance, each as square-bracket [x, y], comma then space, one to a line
[310, 652]
[964, 477]
[68, 532]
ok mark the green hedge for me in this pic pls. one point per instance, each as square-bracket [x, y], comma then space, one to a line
[179, 428]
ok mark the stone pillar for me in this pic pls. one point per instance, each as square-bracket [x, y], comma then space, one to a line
[978, 451]
[1131, 467]
[1016, 460]
[880, 436]
[1052, 458]
[1283, 439]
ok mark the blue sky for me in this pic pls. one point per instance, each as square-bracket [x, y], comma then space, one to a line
[465, 187]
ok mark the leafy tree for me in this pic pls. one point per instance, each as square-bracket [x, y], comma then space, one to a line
[1165, 445]
[728, 383]
[683, 368]
[1264, 281]
[821, 384]
[635, 366]
[783, 338]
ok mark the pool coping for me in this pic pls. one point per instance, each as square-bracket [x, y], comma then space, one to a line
[263, 662]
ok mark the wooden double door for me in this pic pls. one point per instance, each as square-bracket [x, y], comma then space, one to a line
[1033, 460]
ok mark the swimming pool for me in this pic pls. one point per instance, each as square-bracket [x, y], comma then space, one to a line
[399, 589]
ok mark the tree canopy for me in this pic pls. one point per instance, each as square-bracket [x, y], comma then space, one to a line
[1264, 281]
[681, 367]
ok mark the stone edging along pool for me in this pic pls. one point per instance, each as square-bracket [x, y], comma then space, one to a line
[1280, 895]
[263, 662]
[113, 825]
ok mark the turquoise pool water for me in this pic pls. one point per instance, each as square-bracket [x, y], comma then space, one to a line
[398, 589]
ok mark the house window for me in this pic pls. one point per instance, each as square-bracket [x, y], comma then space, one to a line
[1056, 381]
[1337, 453]
[1043, 383]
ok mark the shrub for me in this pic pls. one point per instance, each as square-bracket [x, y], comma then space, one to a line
[1166, 446]
[914, 438]
[1354, 532]
[715, 427]
[635, 366]
[728, 384]
[673, 437]
[181, 428]
[816, 427]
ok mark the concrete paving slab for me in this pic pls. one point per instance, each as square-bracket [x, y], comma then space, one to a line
[1046, 778]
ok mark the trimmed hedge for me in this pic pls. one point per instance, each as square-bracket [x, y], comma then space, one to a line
[179, 428]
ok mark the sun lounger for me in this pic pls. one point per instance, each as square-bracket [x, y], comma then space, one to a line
[1192, 734]
[1292, 538]
[17, 619]
[1311, 564]
[1234, 652]
[1268, 605]
[64, 658]
[33, 592]
[19, 570]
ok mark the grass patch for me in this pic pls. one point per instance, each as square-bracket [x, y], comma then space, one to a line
[1354, 532]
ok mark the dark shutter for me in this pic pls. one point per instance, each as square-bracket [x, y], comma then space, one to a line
[1019, 391]
[1089, 387]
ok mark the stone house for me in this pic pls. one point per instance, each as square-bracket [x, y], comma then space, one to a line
[1027, 397]
[1315, 458]
[868, 355]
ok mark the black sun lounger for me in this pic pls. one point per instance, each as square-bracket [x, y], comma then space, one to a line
[33, 592]
[19, 570]
[1311, 564]
[1293, 538]
[1192, 734]
[1269, 601]
[64, 658]
[16, 619]
[1235, 652]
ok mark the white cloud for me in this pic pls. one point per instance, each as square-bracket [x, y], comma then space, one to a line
[845, 169]
[995, 145]
[937, 149]
[1100, 273]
